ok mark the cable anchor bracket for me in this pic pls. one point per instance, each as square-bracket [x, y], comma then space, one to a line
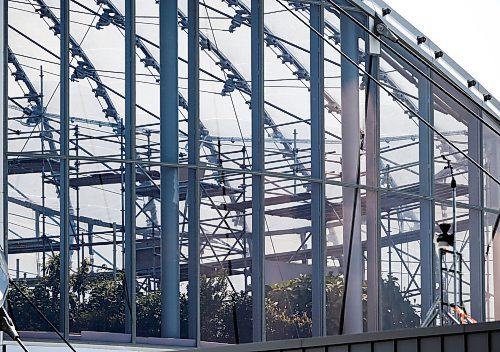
[382, 30]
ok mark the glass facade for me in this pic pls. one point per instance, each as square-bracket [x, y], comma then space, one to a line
[242, 170]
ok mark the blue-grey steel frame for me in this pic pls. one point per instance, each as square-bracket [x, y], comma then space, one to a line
[372, 145]
[3, 125]
[426, 175]
[258, 166]
[169, 149]
[170, 164]
[194, 173]
[318, 222]
[64, 173]
[351, 169]
[130, 167]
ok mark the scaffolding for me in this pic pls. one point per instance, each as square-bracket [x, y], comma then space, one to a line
[268, 139]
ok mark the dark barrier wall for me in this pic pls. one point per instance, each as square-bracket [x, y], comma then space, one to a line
[483, 337]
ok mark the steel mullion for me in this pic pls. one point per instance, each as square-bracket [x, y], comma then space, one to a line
[169, 146]
[193, 192]
[64, 193]
[130, 171]
[258, 165]
[318, 223]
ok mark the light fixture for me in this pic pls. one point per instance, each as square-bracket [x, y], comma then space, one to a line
[444, 239]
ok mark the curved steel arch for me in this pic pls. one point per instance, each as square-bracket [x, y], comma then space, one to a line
[84, 68]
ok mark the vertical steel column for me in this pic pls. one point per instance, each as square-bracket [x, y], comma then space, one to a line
[258, 181]
[64, 223]
[169, 183]
[318, 224]
[350, 169]
[476, 226]
[492, 160]
[372, 146]
[426, 181]
[4, 87]
[130, 170]
[193, 173]
[114, 251]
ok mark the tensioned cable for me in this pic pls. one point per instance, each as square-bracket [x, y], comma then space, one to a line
[394, 96]
[140, 107]
[81, 42]
[156, 46]
[49, 7]
[411, 64]
[440, 74]
[419, 117]
[119, 27]
[288, 161]
[41, 314]
[282, 40]
[298, 47]
[44, 109]
[354, 212]
[225, 76]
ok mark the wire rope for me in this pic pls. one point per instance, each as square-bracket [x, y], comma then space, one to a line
[394, 96]
[420, 72]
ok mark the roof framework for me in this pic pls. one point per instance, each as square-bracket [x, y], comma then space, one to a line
[280, 138]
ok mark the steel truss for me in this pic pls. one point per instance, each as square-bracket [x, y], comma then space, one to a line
[272, 190]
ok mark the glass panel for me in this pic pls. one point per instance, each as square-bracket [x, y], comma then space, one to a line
[399, 131]
[226, 196]
[288, 260]
[400, 261]
[33, 221]
[225, 280]
[335, 272]
[458, 291]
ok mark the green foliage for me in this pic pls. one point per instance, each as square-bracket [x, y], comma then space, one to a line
[397, 312]
[98, 303]
[44, 294]
[148, 313]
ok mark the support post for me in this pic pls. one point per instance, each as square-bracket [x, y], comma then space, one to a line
[64, 223]
[372, 146]
[90, 241]
[476, 223]
[37, 236]
[194, 173]
[426, 181]
[169, 182]
[318, 223]
[258, 181]
[350, 168]
[114, 251]
[130, 170]
[492, 200]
